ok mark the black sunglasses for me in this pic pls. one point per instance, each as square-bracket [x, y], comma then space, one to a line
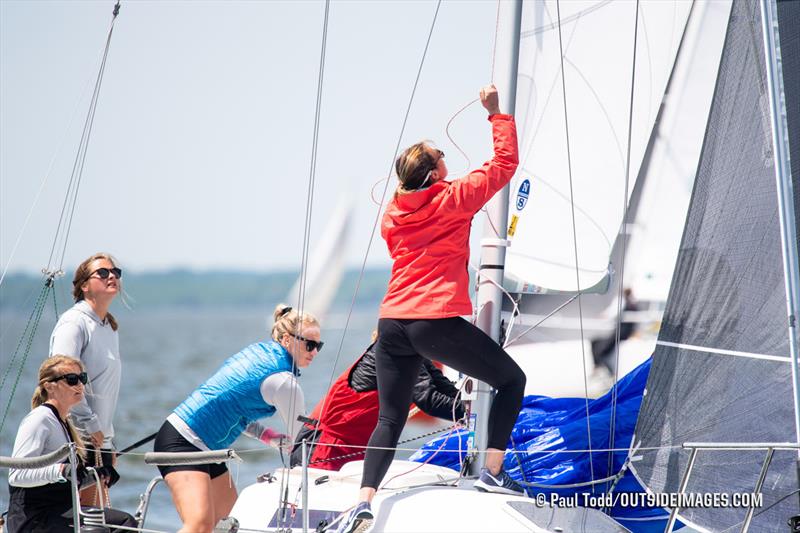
[104, 272]
[310, 345]
[72, 379]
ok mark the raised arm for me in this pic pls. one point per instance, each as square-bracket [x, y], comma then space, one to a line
[471, 192]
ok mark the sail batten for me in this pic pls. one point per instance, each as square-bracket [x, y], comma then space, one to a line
[707, 349]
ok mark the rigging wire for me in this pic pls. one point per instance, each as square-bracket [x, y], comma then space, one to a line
[624, 232]
[380, 207]
[625, 213]
[69, 201]
[71, 196]
[496, 32]
[42, 184]
[575, 238]
[307, 225]
[26, 338]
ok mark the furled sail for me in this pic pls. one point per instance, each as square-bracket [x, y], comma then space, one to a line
[721, 371]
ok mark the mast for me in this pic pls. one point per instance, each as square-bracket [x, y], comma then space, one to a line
[493, 244]
[783, 176]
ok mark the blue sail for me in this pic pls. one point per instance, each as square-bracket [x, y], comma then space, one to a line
[552, 445]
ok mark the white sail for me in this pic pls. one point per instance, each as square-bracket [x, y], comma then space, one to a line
[598, 63]
[327, 264]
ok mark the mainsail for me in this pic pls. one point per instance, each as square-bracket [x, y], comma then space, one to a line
[587, 170]
[674, 76]
[721, 371]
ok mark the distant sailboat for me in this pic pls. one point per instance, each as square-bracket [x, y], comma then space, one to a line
[315, 292]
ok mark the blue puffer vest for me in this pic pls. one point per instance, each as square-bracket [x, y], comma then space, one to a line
[220, 409]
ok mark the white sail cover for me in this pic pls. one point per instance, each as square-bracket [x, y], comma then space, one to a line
[598, 39]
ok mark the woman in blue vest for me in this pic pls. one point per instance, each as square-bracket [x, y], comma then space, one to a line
[255, 383]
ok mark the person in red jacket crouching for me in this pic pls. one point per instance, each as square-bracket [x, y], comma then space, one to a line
[349, 412]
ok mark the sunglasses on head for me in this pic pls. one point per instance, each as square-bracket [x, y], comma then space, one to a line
[72, 379]
[310, 345]
[104, 272]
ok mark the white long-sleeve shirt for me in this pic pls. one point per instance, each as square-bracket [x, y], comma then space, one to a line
[81, 334]
[39, 433]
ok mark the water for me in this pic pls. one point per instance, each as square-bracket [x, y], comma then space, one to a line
[166, 353]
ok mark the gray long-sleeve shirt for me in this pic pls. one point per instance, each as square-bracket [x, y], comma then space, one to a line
[81, 334]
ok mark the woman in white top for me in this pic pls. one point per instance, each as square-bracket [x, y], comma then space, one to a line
[41, 498]
[88, 332]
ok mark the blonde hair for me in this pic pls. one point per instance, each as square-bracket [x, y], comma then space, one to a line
[413, 165]
[48, 371]
[82, 275]
[289, 322]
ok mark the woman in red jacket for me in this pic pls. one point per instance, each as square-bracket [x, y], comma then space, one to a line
[426, 227]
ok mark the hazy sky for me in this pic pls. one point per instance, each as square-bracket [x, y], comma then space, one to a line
[201, 147]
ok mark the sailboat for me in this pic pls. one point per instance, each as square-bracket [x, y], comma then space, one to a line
[722, 373]
[423, 497]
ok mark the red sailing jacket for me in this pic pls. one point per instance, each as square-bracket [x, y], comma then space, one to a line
[427, 233]
[349, 419]
[348, 414]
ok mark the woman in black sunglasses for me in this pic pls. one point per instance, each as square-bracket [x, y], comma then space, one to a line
[256, 383]
[41, 498]
[88, 332]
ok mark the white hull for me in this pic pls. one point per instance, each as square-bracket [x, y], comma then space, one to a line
[420, 498]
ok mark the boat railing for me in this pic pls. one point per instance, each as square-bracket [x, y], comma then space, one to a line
[696, 447]
[176, 458]
[66, 451]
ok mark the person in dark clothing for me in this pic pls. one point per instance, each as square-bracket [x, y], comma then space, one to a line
[349, 412]
[604, 350]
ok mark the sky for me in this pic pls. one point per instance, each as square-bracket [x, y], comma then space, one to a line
[200, 153]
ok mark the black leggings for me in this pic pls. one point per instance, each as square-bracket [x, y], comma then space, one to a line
[455, 342]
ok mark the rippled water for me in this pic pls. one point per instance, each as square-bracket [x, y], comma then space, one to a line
[166, 353]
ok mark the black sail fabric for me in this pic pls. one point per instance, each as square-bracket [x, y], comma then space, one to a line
[721, 370]
[789, 28]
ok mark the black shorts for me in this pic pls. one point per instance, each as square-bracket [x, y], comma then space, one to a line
[169, 440]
